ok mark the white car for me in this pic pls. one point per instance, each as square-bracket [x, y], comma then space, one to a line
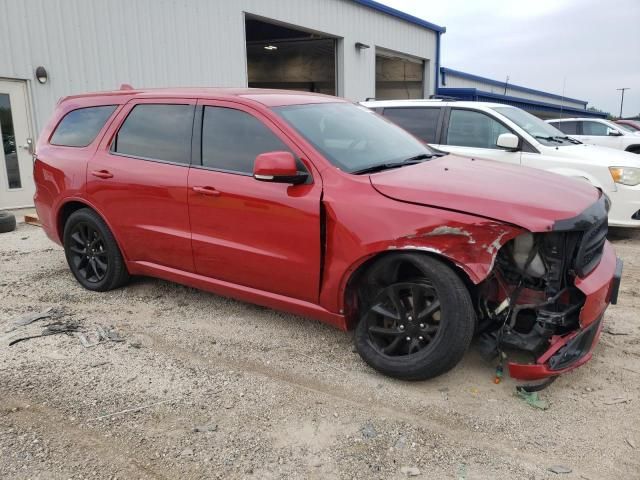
[597, 131]
[508, 134]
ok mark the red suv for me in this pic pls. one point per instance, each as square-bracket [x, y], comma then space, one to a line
[313, 205]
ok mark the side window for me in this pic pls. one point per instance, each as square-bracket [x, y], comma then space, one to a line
[594, 128]
[157, 132]
[421, 122]
[570, 128]
[473, 129]
[232, 139]
[79, 127]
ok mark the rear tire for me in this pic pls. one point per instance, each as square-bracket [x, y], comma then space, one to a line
[417, 319]
[92, 252]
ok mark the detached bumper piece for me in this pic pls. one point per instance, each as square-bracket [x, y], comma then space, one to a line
[566, 353]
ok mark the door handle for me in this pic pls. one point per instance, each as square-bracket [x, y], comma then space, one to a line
[102, 174]
[212, 192]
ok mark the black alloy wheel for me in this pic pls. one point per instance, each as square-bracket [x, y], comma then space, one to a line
[416, 317]
[92, 252]
[88, 252]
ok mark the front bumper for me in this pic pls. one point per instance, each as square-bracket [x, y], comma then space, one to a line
[625, 204]
[574, 349]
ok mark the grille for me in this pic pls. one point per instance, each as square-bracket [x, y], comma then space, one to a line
[590, 247]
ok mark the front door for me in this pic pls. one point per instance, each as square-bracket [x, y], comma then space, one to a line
[244, 231]
[474, 134]
[16, 164]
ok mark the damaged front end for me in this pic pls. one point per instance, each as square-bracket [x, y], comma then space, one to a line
[547, 293]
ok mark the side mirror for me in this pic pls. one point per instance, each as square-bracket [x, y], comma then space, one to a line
[508, 141]
[278, 167]
[612, 132]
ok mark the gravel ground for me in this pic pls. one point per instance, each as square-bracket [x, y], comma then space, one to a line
[248, 392]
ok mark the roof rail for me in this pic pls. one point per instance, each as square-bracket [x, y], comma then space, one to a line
[443, 97]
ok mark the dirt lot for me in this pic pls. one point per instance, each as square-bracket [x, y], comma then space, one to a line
[249, 392]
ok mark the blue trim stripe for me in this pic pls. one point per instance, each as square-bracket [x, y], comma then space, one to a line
[399, 14]
[473, 94]
[497, 83]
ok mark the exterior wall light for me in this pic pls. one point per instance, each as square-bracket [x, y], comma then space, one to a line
[270, 47]
[41, 75]
[361, 46]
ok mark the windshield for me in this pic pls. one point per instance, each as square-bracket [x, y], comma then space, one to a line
[623, 127]
[543, 132]
[353, 138]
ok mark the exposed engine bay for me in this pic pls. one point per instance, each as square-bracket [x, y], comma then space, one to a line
[530, 298]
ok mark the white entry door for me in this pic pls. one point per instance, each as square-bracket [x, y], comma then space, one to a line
[16, 164]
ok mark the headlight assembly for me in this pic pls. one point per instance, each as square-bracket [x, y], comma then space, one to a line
[625, 175]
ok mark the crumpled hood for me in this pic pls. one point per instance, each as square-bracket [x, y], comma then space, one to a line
[596, 155]
[527, 197]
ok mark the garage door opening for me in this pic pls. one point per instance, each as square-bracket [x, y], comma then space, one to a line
[292, 59]
[398, 77]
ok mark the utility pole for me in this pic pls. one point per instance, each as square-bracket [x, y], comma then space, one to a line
[622, 98]
[505, 85]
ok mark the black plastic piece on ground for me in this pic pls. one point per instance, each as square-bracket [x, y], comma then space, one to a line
[617, 279]
[536, 387]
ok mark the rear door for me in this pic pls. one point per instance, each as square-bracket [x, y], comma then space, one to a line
[422, 122]
[247, 232]
[473, 133]
[597, 133]
[138, 180]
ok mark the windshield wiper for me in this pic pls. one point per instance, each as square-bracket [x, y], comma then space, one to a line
[548, 139]
[387, 166]
[569, 139]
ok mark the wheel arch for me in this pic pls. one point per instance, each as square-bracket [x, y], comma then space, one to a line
[73, 205]
[355, 278]
[635, 148]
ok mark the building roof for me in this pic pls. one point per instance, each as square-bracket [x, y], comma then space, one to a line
[401, 15]
[456, 73]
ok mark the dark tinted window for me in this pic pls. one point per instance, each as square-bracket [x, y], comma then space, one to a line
[158, 132]
[473, 129]
[570, 128]
[422, 122]
[595, 129]
[79, 127]
[232, 139]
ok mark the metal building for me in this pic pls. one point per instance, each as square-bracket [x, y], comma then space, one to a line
[466, 86]
[49, 49]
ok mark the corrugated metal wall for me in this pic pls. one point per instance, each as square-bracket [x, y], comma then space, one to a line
[456, 82]
[89, 45]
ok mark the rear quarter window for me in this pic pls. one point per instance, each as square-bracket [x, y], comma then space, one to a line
[420, 121]
[79, 128]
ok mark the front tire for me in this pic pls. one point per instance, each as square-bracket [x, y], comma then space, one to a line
[92, 252]
[417, 318]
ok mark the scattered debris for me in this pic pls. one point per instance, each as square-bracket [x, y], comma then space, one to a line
[369, 431]
[462, 472]
[187, 452]
[136, 409]
[102, 335]
[410, 471]
[559, 469]
[616, 400]
[533, 399]
[32, 219]
[206, 428]
[30, 318]
[630, 442]
[52, 329]
[99, 364]
[400, 443]
[613, 330]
